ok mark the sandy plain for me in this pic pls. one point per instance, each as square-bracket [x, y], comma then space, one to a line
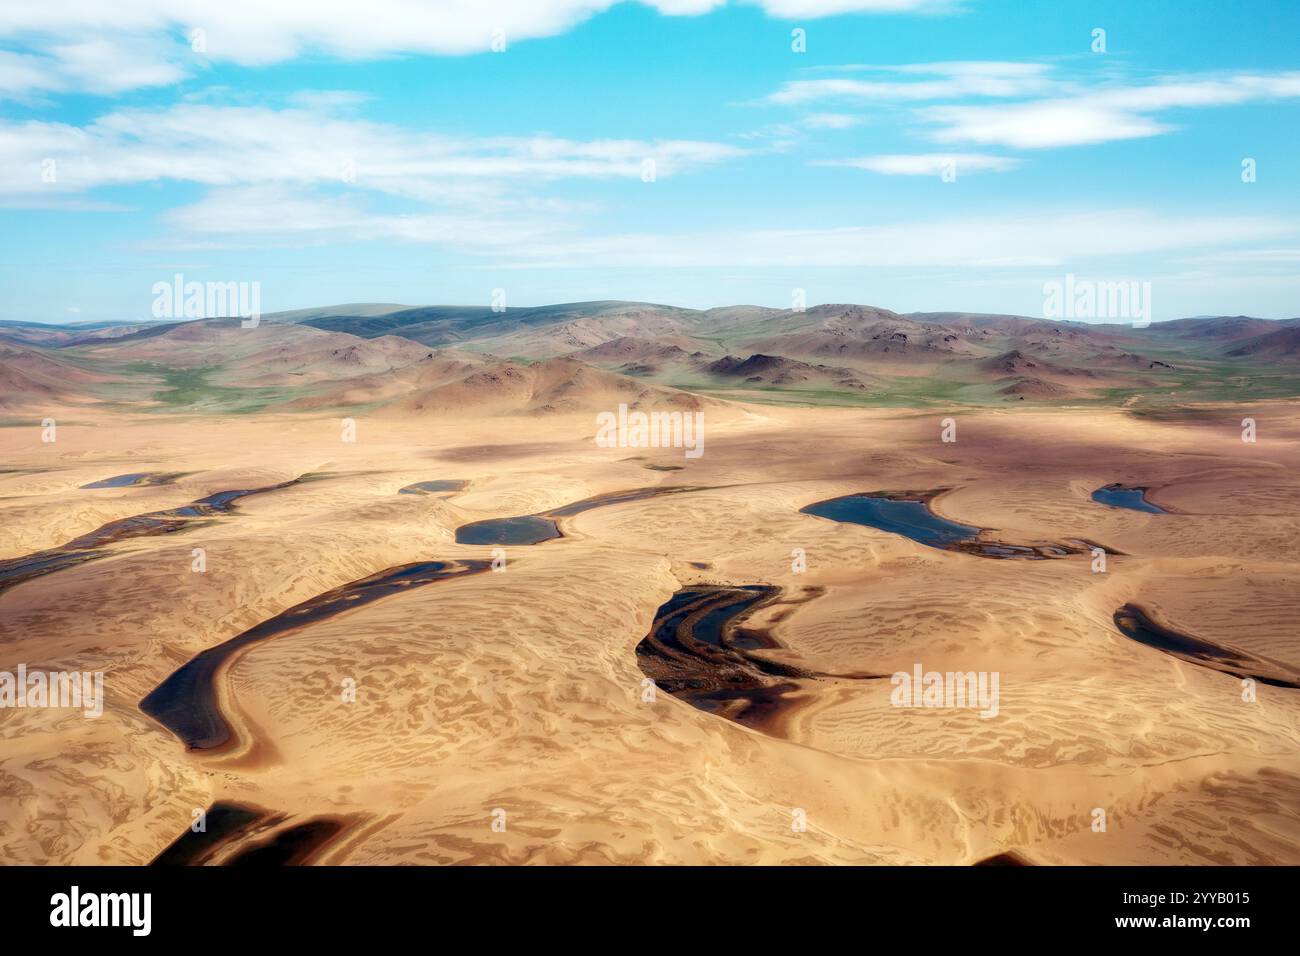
[520, 691]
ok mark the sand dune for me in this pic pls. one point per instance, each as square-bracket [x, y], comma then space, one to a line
[520, 690]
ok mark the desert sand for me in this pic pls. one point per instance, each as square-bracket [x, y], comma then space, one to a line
[514, 697]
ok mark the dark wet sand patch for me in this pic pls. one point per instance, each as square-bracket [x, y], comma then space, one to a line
[1134, 622]
[139, 479]
[910, 514]
[1009, 858]
[465, 453]
[293, 846]
[543, 526]
[432, 487]
[88, 546]
[1132, 497]
[188, 703]
[225, 822]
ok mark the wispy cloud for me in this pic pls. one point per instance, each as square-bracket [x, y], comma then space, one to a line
[926, 164]
[919, 82]
[1104, 114]
[1017, 239]
[1034, 106]
[96, 66]
[250, 145]
[141, 43]
[830, 121]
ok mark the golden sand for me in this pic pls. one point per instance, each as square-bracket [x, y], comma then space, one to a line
[520, 691]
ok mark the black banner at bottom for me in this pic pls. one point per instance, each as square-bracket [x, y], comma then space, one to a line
[332, 905]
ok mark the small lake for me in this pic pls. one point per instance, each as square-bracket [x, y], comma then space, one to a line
[1120, 496]
[909, 516]
[908, 513]
[526, 529]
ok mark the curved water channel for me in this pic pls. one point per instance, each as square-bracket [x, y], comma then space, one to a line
[188, 702]
[700, 650]
[543, 526]
[90, 546]
[1136, 623]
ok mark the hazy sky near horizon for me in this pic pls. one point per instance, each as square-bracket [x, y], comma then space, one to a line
[675, 151]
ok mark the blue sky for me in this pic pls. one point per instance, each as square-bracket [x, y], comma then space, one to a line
[384, 152]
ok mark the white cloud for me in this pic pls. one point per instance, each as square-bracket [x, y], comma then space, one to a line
[1049, 111]
[1014, 240]
[307, 175]
[926, 164]
[951, 80]
[96, 66]
[1040, 124]
[140, 43]
[796, 9]
[831, 121]
[522, 237]
[1104, 114]
[262, 216]
[250, 145]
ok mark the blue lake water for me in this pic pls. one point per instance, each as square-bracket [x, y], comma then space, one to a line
[910, 518]
[1135, 499]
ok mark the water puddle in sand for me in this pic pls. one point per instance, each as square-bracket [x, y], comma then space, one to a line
[909, 513]
[528, 529]
[139, 479]
[224, 822]
[903, 514]
[691, 653]
[536, 528]
[89, 546]
[1133, 622]
[227, 823]
[700, 651]
[187, 703]
[433, 487]
[292, 846]
[1132, 498]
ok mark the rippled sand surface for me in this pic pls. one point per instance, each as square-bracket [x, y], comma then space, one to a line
[502, 717]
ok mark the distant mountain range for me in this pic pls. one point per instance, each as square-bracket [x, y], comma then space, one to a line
[457, 359]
